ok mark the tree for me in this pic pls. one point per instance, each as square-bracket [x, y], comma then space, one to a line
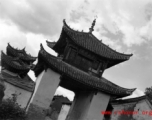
[148, 92]
[11, 110]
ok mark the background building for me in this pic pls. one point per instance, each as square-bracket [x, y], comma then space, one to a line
[14, 68]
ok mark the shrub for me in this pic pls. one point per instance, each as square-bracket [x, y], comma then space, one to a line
[11, 110]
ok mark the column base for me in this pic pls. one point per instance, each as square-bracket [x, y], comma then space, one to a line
[36, 113]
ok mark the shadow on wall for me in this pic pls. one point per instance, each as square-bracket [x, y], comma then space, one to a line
[2, 89]
[55, 106]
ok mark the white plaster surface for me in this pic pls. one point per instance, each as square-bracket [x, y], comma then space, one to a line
[88, 106]
[46, 85]
[64, 112]
[141, 106]
[23, 96]
[99, 103]
[80, 105]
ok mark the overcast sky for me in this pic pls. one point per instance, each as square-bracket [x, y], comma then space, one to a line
[124, 25]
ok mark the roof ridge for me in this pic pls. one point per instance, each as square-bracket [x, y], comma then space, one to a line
[65, 25]
[21, 51]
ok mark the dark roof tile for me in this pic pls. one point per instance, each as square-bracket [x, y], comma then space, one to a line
[19, 53]
[13, 63]
[25, 83]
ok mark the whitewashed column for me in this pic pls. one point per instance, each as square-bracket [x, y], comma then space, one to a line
[88, 106]
[46, 85]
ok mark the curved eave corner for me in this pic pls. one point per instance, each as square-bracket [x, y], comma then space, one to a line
[50, 44]
[9, 61]
[19, 50]
[130, 91]
[15, 51]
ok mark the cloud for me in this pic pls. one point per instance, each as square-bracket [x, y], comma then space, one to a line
[65, 92]
[123, 20]
[148, 11]
[10, 33]
[39, 17]
[145, 31]
[45, 17]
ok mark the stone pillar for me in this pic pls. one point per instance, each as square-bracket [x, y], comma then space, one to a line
[80, 105]
[46, 85]
[64, 112]
[99, 103]
[88, 106]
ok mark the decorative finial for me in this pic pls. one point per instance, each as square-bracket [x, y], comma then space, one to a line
[92, 27]
[93, 24]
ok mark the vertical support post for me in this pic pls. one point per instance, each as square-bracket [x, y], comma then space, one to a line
[98, 104]
[88, 106]
[46, 85]
[80, 105]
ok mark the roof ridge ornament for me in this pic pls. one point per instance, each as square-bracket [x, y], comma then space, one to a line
[92, 26]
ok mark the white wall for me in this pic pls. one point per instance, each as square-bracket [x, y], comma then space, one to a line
[99, 103]
[46, 85]
[64, 112]
[141, 106]
[23, 96]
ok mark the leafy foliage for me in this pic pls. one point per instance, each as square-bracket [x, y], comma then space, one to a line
[11, 110]
[148, 92]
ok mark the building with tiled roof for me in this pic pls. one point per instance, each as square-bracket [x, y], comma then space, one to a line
[79, 66]
[22, 54]
[83, 58]
[139, 108]
[15, 65]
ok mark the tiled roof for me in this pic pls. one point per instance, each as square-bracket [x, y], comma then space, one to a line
[14, 64]
[88, 41]
[50, 44]
[67, 103]
[80, 76]
[19, 53]
[26, 83]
